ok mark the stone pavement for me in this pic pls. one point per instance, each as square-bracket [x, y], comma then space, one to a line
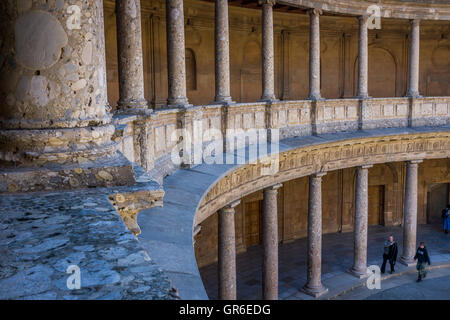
[436, 286]
[337, 258]
[41, 234]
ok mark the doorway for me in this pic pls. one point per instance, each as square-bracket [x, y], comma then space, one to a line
[437, 199]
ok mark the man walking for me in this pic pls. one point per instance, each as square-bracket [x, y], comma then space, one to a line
[422, 259]
[390, 253]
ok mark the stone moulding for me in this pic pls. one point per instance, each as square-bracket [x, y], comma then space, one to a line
[129, 204]
[292, 119]
[425, 9]
[328, 156]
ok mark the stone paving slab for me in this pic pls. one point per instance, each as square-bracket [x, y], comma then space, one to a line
[42, 234]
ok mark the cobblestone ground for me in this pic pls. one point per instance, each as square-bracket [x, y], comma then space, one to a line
[42, 234]
[337, 258]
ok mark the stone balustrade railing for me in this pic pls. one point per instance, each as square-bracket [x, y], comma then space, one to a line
[149, 140]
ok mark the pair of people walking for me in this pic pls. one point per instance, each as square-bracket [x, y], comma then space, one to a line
[390, 254]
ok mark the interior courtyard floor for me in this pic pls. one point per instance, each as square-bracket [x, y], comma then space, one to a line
[337, 258]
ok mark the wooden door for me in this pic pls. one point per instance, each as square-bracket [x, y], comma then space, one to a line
[253, 223]
[376, 205]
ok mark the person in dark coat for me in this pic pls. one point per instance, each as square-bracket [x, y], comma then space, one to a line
[389, 253]
[422, 258]
[446, 218]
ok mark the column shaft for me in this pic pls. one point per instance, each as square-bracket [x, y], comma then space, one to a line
[222, 55]
[270, 243]
[363, 60]
[410, 213]
[414, 59]
[176, 65]
[314, 285]
[53, 85]
[314, 55]
[268, 74]
[359, 268]
[129, 52]
[227, 253]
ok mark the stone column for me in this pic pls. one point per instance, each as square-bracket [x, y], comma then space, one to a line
[414, 59]
[314, 285]
[314, 54]
[129, 52]
[363, 60]
[410, 213]
[176, 65]
[227, 253]
[359, 268]
[268, 73]
[222, 52]
[270, 243]
[55, 120]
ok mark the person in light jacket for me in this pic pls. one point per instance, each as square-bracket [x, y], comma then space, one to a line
[389, 253]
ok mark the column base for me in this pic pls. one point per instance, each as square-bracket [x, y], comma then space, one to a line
[358, 274]
[414, 95]
[132, 105]
[407, 262]
[223, 100]
[315, 98]
[178, 106]
[363, 97]
[179, 102]
[268, 99]
[314, 291]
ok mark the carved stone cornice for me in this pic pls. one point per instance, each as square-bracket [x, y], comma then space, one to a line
[331, 156]
[427, 10]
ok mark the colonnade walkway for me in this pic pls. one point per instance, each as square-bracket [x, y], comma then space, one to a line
[337, 258]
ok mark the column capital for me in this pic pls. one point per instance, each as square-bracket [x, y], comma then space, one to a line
[365, 166]
[414, 22]
[363, 18]
[315, 12]
[319, 174]
[410, 162]
[267, 2]
[274, 187]
[230, 207]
